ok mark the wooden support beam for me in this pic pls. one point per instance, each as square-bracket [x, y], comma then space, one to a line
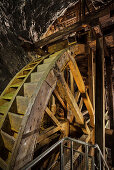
[91, 77]
[83, 9]
[108, 29]
[81, 104]
[47, 141]
[80, 83]
[87, 6]
[109, 139]
[70, 99]
[60, 99]
[77, 96]
[53, 106]
[72, 103]
[55, 120]
[29, 47]
[57, 46]
[88, 19]
[99, 97]
[71, 83]
[48, 132]
[109, 89]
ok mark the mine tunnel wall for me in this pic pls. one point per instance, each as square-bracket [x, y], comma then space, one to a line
[28, 19]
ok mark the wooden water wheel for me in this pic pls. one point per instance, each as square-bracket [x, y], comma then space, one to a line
[44, 102]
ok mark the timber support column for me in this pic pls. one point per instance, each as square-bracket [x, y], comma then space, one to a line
[99, 96]
[109, 90]
[91, 78]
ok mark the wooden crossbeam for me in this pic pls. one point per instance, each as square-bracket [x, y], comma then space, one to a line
[81, 104]
[48, 132]
[80, 84]
[57, 46]
[47, 141]
[53, 106]
[52, 116]
[60, 99]
[51, 130]
[72, 102]
[77, 96]
[72, 83]
[88, 19]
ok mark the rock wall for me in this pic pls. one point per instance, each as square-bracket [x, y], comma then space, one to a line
[28, 19]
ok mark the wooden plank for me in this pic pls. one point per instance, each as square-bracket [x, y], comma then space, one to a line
[80, 83]
[52, 116]
[99, 97]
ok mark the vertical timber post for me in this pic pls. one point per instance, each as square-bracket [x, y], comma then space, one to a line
[99, 96]
[83, 9]
[91, 77]
[109, 90]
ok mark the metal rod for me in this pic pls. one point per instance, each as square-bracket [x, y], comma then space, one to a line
[74, 150]
[102, 156]
[40, 157]
[94, 146]
[93, 163]
[99, 161]
[53, 165]
[86, 157]
[71, 153]
[61, 157]
[80, 142]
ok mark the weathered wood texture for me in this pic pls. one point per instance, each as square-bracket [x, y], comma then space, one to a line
[109, 139]
[109, 90]
[79, 81]
[67, 94]
[99, 97]
[26, 147]
[91, 77]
